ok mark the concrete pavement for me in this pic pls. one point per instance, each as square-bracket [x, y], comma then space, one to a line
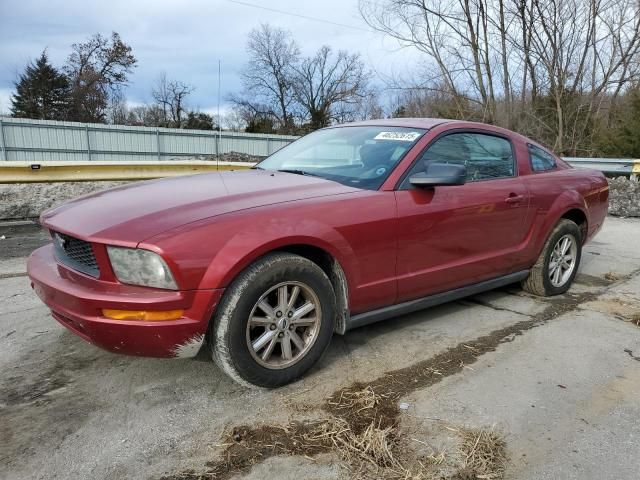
[563, 393]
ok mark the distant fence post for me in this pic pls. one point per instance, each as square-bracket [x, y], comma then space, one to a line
[86, 134]
[158, 143]
[2, 145]
[268, 146]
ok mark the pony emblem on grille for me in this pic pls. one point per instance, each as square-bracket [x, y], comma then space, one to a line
[61, 241]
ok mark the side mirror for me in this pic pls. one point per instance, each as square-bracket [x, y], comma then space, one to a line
[440, 174]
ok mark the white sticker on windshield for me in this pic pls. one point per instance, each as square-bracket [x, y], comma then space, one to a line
[401, 136]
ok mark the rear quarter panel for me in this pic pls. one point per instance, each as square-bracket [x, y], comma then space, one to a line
[555, 193]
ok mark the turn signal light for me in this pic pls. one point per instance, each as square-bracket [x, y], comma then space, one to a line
[151, 316]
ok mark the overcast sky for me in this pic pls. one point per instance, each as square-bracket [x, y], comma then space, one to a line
[184, 38]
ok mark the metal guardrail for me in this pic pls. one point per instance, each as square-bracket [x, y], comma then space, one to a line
[80, 171]
[611, 166]
[30, 172]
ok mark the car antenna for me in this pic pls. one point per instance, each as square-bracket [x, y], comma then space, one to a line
[219, 122]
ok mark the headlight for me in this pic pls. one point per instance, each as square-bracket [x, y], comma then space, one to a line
[141, 267]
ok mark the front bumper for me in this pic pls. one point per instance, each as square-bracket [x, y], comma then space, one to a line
[76, 301]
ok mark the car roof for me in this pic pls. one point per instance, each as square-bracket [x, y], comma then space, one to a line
[426, 123]
[429, 123]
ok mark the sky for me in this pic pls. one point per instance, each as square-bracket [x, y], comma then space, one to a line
[185, 38]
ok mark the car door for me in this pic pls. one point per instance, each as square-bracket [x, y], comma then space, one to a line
[452, 236]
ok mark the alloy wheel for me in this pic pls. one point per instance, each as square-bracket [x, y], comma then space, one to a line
[563, 260]
[283, 325]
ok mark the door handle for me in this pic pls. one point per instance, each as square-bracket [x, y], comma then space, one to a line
[514, 198]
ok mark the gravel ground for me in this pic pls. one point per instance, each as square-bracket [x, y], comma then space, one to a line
[561, 392]
[624, 197]
[28, 200]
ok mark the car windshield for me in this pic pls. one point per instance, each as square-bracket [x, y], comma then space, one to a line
[361, 157]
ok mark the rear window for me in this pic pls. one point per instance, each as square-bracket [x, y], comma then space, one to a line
[541, 160]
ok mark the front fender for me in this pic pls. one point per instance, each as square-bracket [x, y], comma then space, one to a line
[358, 231]
[215, 252]
[246, 245]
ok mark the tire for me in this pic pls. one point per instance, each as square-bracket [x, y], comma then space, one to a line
[541, 281]
[240, 323]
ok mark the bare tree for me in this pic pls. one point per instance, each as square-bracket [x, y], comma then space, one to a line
[97, 68]
[453, 36]
[117, 111]
[282, 90]
[234, 120]
[547, 67]
[586, 52]
[170, 96]
[147, 116]
[433, 102]
[267, 77]
[368, 107]
[329, 87]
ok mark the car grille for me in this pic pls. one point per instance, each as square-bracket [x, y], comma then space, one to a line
[75, 253]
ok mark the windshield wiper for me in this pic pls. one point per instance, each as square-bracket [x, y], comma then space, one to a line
[297, 172]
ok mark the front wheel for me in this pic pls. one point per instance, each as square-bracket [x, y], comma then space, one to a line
[558, 263]
[275, 321]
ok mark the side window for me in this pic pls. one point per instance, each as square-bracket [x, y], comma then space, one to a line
[540, 159]
[485, 156]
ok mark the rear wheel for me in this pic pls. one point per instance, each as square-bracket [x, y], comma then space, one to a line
[558, 263]
[275, 321]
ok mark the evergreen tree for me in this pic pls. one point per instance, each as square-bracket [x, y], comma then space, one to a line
[42, 92]
[629, 136]
[200, 121]
[620, 138]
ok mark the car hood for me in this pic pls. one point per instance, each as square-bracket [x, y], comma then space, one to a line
[131, 213]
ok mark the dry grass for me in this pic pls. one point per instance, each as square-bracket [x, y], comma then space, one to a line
[624, 308]
[380, 452]
[484, 453]
[377, 451]
[357, 400]
[374, 452]
[612, 276]
[369, 453]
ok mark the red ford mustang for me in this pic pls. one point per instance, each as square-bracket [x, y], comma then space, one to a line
[346, 226]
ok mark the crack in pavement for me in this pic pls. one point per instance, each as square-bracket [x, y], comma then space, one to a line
[395, 384]
[3, 299]
[12, 275]
[484, 303]
[10, 312]
[630, 353]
